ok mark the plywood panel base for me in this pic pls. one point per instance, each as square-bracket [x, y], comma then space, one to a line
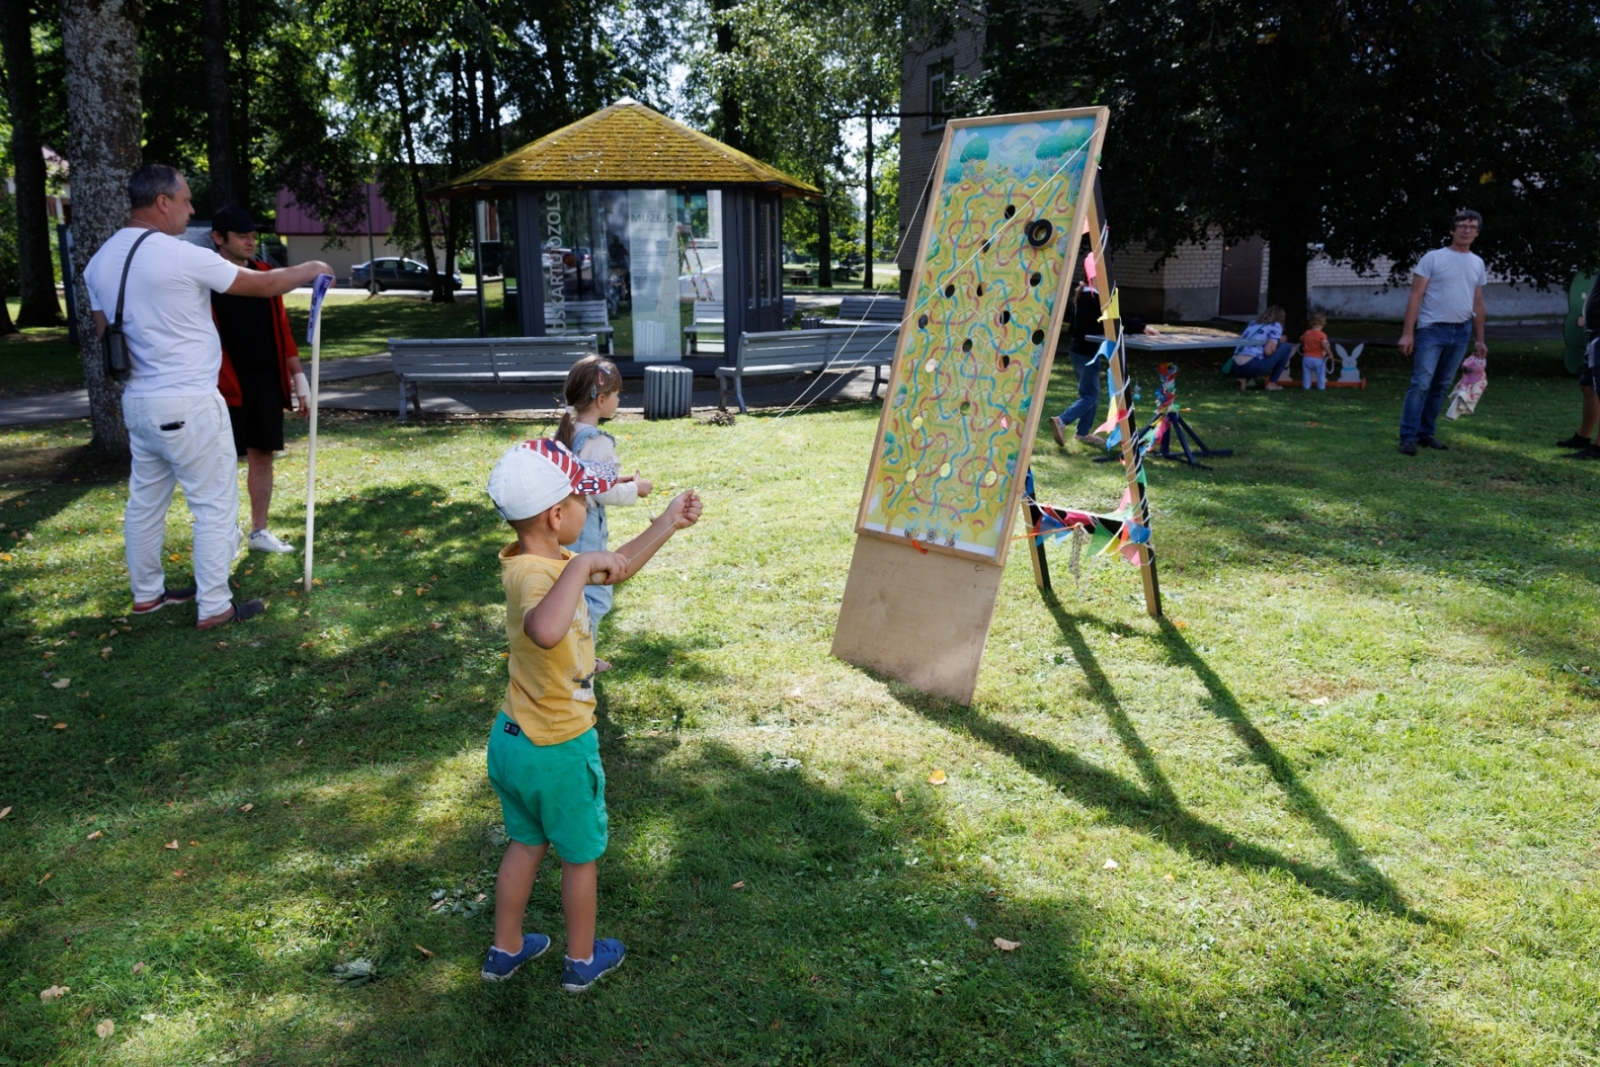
[920, 618]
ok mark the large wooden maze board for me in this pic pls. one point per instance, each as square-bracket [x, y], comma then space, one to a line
[1003, 224]
[1008, 207]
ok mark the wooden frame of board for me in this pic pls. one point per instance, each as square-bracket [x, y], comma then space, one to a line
[919, 610]
[1008, 512]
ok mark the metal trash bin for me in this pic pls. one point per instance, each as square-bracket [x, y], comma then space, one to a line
[668, 391]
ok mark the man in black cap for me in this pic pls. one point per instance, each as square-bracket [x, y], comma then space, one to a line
[261, 375]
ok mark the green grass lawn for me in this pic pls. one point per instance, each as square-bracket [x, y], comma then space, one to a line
[1348, 783]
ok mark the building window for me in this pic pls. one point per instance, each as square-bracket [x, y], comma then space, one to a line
[940, 75]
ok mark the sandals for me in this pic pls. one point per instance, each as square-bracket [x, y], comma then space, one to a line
[168, 596]
[241, 612]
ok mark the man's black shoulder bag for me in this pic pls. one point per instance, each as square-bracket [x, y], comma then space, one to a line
[113, 343]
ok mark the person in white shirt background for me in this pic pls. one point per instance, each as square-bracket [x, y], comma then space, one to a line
[1446, 304]
[178, 426]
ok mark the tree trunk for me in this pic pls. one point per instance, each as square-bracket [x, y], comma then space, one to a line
[866, 211]
[555, 30]
[824, 241]
[1286, 276]
[443, 292]
[100, 42]
[491, 109]
[219, 140]
[40, 306]
[732, 132]
[474, 114]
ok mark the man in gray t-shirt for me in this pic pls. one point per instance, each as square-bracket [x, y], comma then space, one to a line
[1446, 306]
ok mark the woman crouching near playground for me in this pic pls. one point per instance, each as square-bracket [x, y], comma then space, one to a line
[1264, 353]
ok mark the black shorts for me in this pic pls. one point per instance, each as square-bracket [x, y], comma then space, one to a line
[258, 422]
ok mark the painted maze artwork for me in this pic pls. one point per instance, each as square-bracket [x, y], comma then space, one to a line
[999, 239]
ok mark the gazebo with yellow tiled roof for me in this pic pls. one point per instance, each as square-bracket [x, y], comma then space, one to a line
[631, 218]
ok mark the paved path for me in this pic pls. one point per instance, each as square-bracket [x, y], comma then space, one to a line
[372, 388]
[55, 407]
[380, 395]
[365, 383]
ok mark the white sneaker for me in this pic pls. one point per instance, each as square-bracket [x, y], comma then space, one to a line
[266, 541]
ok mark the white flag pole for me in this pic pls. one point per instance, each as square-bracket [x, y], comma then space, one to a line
[318, 292]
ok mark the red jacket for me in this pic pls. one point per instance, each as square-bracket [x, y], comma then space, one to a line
[283, 341]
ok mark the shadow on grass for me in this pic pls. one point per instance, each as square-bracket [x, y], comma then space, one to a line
[771, 918]
[1155, 809]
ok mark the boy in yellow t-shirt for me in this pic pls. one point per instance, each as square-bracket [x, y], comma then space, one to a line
[544, 755]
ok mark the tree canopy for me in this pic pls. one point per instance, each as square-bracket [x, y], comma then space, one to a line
[1351, 126]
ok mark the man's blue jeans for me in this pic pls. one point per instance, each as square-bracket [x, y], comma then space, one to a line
[1439, 350]
[1083, 409]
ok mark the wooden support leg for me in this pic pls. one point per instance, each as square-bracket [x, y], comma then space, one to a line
[1105, 286]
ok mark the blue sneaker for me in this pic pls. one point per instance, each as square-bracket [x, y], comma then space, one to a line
[577, 977]
[500, 964]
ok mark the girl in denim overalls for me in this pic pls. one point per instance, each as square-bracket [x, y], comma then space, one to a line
[592, 393]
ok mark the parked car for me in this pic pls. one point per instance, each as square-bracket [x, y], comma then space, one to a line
[395, 273]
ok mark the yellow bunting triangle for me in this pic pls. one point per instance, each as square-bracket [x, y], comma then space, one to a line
[1114, 309]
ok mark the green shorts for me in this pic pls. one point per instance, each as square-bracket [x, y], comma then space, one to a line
[550, 794]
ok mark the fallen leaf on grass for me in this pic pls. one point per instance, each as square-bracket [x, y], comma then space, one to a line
[436, 626]
[425, 953]
[738, 885]
[105, 1029]
[60, 683]
[193, 843]
[105, 653]
[1491, 952]
[246, 807]
[1168, 878]
[1006, 946]
[899, 796]
[47, 876]
[55, 992]
[937, 778]
[1320, 702]
[60, 726]
[481, 898]
[171, 845]
[4, 812]
[138, 968]
[97, 835]
[180, 873]
[1110, 865]
[46, 718]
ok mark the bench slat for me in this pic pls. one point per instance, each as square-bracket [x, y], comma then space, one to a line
[483, 361]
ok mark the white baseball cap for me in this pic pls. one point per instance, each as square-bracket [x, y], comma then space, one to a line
[534, 476]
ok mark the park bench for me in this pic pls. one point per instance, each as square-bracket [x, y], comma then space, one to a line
[708, 318]
[484, 362]
[581, 317]
[793, 352]
[855, 310]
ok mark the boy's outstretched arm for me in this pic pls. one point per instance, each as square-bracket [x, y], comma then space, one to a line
[548, 621]
[684, 511]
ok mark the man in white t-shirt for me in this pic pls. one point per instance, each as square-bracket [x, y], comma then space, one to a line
[1446, 306]
[178, 426]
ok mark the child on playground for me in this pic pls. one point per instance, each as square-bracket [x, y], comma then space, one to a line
[1314, 353]
[592, 393]
[544, 755]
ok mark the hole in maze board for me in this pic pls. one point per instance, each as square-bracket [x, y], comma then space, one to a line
[997, 237]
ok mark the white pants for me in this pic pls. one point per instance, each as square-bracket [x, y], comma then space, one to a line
[186, 440]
